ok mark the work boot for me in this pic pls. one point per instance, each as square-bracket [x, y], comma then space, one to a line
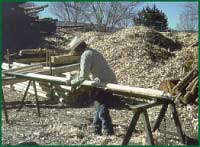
[97, 131]
[107, 132]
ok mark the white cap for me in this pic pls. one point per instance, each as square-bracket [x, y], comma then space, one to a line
[76, 41]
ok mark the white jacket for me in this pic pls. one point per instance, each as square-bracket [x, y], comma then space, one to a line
[92, 62]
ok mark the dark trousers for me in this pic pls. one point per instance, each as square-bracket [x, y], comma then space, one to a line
[102, 119]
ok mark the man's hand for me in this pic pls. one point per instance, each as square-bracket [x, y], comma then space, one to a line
[75, 84]
[68, 82]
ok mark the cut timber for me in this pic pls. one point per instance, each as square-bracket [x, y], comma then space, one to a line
[30, 59]
[16, 67]
[26, 69]
[189, 87]
[34, 51]
[168, 85]
[62, 69]
[64, 59]
[195, 88]
[132, 91]
[145, 93]
[46, 70]
[188, 78]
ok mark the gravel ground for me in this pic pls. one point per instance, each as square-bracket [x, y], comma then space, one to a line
[61, 125]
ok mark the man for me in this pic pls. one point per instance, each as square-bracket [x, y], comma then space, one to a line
[92, 62]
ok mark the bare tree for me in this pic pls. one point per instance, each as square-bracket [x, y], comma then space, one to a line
[107, 15]
[67, 11]
[189, 17]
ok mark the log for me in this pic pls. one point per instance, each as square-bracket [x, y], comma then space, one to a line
[55, 70]
[190, 85]
[64, 59]
[189, 98]
[183, 83]
[168, 85]
[145, 93]
[195, 88]
[132, 91]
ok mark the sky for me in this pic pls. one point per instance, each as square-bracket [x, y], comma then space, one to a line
[171, 9]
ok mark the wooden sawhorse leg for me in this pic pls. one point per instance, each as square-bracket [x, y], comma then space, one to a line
[4, 108]
[36, 97]
[175, 118]
[133, 125]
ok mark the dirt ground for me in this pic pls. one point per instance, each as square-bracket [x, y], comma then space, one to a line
[62, 125]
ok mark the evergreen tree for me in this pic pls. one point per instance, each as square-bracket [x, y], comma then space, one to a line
[152, 17]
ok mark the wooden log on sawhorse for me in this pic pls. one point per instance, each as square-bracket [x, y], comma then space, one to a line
[142, 110]
[36, 96]
[4, 108]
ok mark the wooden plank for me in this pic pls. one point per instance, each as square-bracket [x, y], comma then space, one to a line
[26, 67]
[190, 85]
[185, 80]
[64, 59]
[56, 70]
[29, 59]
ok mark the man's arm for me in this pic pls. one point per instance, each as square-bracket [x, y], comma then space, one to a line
[85, 68]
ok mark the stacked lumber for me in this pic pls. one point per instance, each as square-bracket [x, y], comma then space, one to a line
[64, 59]
[186, 89]
[58, 57]
[22, 27]
[44, 89]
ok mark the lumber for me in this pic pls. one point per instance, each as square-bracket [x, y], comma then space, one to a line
[194, 88]
[190, 85]
[133, 91]
[56, 70]
[22, 68]
[64, 59]
[145, 93]
[181, 85]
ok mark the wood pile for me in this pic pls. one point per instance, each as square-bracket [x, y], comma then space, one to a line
[43, 88]
[58, 57]
[186, 89]
[22, 28]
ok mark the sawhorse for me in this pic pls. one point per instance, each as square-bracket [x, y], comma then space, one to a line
[141, 109]
[36, 96]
